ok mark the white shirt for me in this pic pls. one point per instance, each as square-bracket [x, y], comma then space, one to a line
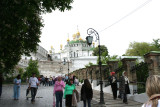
[33, 81]
[151, 106]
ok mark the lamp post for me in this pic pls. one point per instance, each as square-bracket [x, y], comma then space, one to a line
[91, 32]
[68, 65]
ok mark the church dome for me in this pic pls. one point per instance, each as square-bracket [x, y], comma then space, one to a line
[68, 40]
[78, 33]
[51, 47]
[61, 46]
[80, 38]
[74, 36]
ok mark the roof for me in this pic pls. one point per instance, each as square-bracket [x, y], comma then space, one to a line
[77, 41]
[155, 51]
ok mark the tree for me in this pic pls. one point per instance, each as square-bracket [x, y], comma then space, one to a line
[140, 48]
[103, 51]
[156, 43]
[20, 27]
[32, 68]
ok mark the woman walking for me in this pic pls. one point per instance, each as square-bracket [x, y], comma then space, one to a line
[58, 91]
[70, 87]
[86, 93]
[124, 87]
[113, 82]
[153, 91]
[16, 87]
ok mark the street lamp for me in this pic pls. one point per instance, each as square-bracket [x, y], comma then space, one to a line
[91, 32]
[64, 62]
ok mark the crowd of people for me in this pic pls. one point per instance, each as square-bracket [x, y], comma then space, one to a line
[65, 87]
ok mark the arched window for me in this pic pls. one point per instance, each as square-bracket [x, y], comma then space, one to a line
[74, 54]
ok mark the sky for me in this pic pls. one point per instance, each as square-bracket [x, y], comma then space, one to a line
[118, 22]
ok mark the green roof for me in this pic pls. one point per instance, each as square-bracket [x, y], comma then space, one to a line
[92, 49]
[155, 51]
[77, 41]
[114, 60]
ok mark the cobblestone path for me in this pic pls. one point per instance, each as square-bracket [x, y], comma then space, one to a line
[44, 98]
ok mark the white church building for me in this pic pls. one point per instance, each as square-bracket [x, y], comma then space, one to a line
[76, 51]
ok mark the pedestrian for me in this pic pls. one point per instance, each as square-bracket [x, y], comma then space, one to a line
[33, 85]
[86, 93]
[66, 78]
[53, 80]
[124, 87]
[46, 81]
[58, 91]
[50, 80]
[153, 91]
[76, 82]
[1, 81]
[69, 88]
[113, 82]
[43, 80]
[16, 87]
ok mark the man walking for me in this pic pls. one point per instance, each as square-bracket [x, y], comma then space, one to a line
[33, 85]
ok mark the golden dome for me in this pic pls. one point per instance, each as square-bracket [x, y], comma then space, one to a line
[68, 40]
[51, 47]
[78, 33]
[80, 38]
[74, 36]
[61, 46]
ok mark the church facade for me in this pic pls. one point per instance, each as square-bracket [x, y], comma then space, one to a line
[77, 52]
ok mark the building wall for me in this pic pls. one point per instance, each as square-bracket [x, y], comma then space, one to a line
[80, 62]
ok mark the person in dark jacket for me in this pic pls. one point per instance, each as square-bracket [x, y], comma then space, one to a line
[86, 93]
[124, 87]
[113, 82]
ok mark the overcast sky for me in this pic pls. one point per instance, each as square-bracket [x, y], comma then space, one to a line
[118, 23]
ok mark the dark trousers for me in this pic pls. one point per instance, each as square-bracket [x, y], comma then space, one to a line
[33, 93]
[114, 90]
[0, 90]
[68, 100]
[59, 96]
[124, 97]
[88, 101]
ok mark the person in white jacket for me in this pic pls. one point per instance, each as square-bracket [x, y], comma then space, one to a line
[153, 91]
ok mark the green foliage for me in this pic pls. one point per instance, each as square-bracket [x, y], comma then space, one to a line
[141, 48]
[32, 68]
[89, 64]
[142, 73]
[21, 71]
[103, 53]
[20, 27]
[156, 43]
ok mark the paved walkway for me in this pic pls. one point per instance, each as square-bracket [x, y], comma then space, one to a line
[45, 99]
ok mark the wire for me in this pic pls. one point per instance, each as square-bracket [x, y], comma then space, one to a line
[130, 13]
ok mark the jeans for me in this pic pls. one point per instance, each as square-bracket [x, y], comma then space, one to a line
[16, 90]
[59, 95]
[33, 93]
[89, 102]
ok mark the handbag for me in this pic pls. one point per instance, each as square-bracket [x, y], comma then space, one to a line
[74, 100]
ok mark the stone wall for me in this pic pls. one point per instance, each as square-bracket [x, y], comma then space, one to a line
[53, 68]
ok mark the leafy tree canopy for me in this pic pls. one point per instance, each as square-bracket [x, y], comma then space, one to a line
[32, 68]
[141, 48]
[103, 50]
[103, 53]
[20, 27]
